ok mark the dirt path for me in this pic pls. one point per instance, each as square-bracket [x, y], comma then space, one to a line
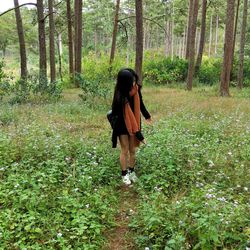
[120, 237]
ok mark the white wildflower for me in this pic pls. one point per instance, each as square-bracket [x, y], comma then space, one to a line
[87, 206]
[59, 235]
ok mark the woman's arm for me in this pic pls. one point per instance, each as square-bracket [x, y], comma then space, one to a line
[144, 111]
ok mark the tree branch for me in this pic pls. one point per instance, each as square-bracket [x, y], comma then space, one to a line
[21, 5]
[149, 19]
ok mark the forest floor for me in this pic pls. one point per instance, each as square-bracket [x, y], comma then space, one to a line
[120, 237]
[60, 184]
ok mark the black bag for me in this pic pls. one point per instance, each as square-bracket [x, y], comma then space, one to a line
[112, 119]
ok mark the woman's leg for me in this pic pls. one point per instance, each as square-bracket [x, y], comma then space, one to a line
[132, 150]
[124, 141]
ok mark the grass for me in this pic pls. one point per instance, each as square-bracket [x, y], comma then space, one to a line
[59, 177]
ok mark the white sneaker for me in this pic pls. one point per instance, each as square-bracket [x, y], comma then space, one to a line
[133, 177]
[126, 180]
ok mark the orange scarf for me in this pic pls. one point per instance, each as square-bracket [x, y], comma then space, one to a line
[132, 119]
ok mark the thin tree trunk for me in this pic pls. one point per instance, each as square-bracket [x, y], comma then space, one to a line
[52, 42]
[59, 40]
[216, 35]
[173, 25]
[139, 39]
[210, 36]
[191, 4]
[192, 45]
[242, 45]
[112, 54]
[42, 41]
[23, 57]
[228, 49]
[236, 24]
[70, 39]
[202, 35]
[184, 43]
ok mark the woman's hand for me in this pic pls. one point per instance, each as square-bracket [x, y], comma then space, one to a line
[149, 121]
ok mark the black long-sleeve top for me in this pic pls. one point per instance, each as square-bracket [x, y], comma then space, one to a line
[120, 127]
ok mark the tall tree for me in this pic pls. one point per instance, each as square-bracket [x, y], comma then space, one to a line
[192, 45]
[42, 41]
[210, 36]
[70, 38]
[242, 45]
[236, 24]
[202, 35]
[228, 49]
[191, 4]
[23, 57]
[78, 37]
[112, 54]
[139, 39]
[216, 35]
[52, 41]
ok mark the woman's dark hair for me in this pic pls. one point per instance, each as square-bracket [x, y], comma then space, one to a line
[124, 84]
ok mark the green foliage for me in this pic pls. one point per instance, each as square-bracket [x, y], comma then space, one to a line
[194, 183]
[210, 70]
[165, 70]
[4, 82]
[55, 189]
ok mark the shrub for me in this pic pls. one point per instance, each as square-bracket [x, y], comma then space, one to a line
[209, 72]
[165, 70]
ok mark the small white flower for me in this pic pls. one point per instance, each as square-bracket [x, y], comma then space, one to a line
[210, 163]
[147, 248]
[90, 177]
[59, 235]
[87, 206]
[230, 153]
[17, 185]
[222, 199]
[245, 188]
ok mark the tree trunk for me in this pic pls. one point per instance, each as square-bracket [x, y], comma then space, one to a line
[202, 35]
[70, 39]
[59, 41]
[78, 37]
[236, 24]
[42, 41]
[172, 31]
[210, 36]
[242, 45]
[139, 39]
[112, 54]
[228, 49]
[192, 45]
[23, 57]
[216, 35]
[52, 42]
[191, 3]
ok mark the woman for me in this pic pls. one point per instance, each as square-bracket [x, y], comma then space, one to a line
[126, 107]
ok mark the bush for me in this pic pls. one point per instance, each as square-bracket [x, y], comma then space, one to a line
[209, 72]
[165, 70]
[4, 82]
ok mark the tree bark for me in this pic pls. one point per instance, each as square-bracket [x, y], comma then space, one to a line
[23, 57]
[139, 39]
[210, 36]
[216, 35]
[112, 54]
[236, 24]
[70, 39]
[52, 42]
[59, 41]
[191, 3]
[192, 45]
[242, 45]
[78, 37]
[228, 49]
[202, 35]
[42, 41]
